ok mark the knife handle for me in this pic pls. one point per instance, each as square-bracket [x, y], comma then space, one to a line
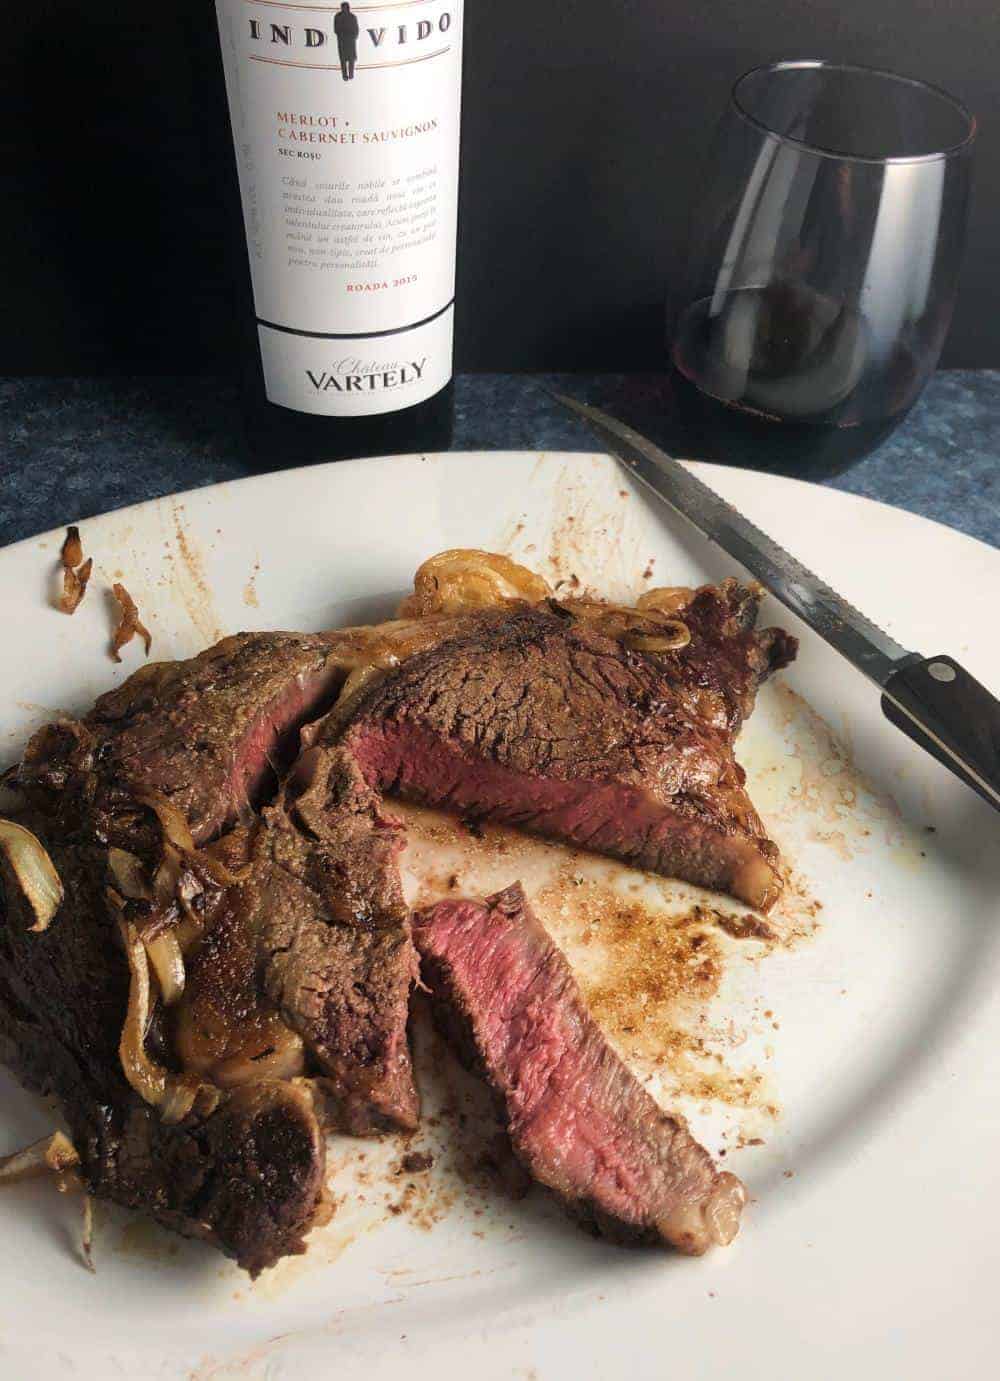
[950, 714]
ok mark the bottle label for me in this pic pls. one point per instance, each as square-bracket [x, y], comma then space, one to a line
[345, 122]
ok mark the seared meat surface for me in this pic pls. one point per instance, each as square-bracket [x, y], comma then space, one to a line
[539, 720]
[578, 1120]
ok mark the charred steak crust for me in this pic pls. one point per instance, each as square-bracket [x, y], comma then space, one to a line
[578, 1120]
[538, 720]
[249, 1178]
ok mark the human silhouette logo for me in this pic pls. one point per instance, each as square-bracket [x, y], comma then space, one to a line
[345, 26]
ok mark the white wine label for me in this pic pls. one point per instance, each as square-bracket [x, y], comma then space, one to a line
[346, 121]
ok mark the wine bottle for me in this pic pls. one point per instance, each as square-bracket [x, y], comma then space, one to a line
[345, 125]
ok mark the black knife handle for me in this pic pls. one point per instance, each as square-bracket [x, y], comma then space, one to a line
[950, 714]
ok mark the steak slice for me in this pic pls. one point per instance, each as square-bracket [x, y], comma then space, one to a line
[333, 934]
[206, 733]
[247, 1176]
[578, 1120]
[537, 719]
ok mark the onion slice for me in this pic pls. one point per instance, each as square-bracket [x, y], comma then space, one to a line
[465, 579]
[675, 635]
[87, 1234]
[129, 624]
[172, 1096]
[34, 870]
[164, 954]
[668, 599]
[646, 629]
[129, 874]
[177, 832]
[50, 1156]
[177, 1101]
[147, 1078]
[54, 1155]
[71, 552]
[75, 586]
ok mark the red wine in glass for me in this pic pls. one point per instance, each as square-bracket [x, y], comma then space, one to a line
[782, 378]
[823, 265]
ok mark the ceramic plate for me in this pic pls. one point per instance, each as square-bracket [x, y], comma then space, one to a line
[845, 1065]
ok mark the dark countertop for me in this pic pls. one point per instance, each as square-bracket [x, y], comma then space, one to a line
[72, 448]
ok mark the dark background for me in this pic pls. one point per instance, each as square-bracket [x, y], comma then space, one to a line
[584, 132]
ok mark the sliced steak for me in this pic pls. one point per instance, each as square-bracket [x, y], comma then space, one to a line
[206, 732]
[297, 949]
[303, 965]
[209, 734]
[578, 1120]
[537, 719]
[248, 1177]
[334, 947]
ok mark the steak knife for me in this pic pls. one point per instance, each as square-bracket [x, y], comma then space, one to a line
[931, 699]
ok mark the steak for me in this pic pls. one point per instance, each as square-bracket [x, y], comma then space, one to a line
[303, 965]
[539, 720]
[246, 1175]
[211, 821]
[325, 902]
[578, 1120]
[206, 733]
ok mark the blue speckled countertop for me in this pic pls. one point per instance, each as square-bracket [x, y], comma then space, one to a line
[71, 448]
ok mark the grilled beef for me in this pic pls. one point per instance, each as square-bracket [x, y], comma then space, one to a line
[305, 961]
[298, 951]
[536, 719]
[334, 949]
[247, 1175]
[578, 1120]
[207, 732]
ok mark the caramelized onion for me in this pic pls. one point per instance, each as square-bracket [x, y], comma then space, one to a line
[129, 874]
[177, 833]
[173, 1097]
[75, 586]
[51, 1156]
[147, 1078]
[71, 552]
[359, 678]
[164, 954]
[669, 599]
[129, 624]
[172, 819]
[647, 629]
[675, 634]
[177, 1101]
[55, 1156]
[33, 870]
[87, 1234]
[219, 871]
[462, 579]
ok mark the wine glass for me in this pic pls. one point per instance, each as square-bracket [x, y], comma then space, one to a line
[823, 265]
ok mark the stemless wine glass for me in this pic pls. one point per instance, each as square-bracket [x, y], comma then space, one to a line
[823, 265]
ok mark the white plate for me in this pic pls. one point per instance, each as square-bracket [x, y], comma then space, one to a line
[875, 1038]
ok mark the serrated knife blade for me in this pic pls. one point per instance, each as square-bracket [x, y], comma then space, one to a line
[932, 699]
